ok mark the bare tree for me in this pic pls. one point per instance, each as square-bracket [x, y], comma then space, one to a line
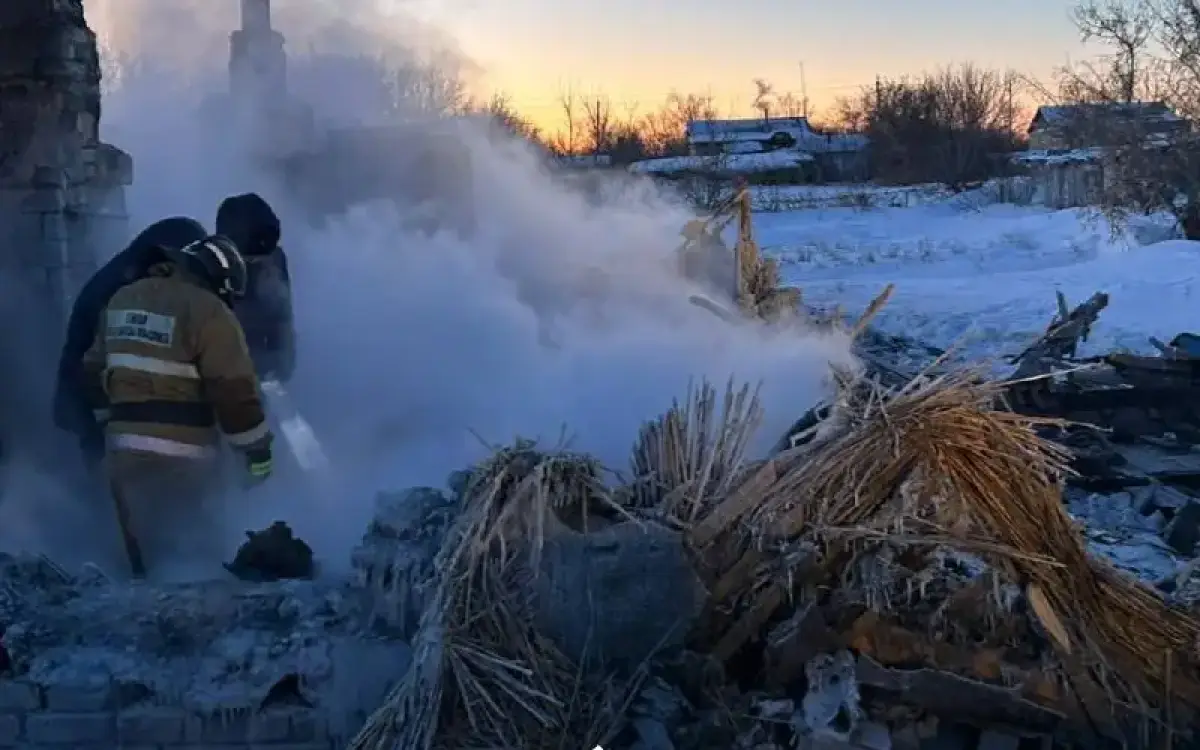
[941, 127]
[427, 87]
[664, 132]
[566, 141]
[764, 97]
[693, 107]
[599, 123]
[790, 105]
[500, 112]
[1125, 74]
[852, 114]
[771, 103]
[1150, 156]
[628, 141]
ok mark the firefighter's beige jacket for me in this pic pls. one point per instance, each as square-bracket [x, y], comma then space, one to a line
[170, 371]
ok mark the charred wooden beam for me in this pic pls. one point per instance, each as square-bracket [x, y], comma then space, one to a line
[1062, 337]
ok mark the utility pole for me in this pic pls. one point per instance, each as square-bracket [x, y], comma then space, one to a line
[1010, 111]
[803, 90]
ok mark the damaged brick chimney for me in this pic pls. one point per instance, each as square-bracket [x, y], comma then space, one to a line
[61, 190]
[266, 120]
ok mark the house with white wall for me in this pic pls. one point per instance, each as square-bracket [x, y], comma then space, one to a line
[836, 156]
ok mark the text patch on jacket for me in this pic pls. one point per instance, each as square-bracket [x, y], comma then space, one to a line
[140, 325]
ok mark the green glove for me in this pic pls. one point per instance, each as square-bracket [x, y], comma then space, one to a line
[259, 464]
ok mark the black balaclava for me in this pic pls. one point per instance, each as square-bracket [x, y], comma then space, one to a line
[250, 222]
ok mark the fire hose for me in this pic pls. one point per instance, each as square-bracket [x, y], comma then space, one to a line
[302, 441]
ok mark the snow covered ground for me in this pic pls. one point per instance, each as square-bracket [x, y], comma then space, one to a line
[983, 277]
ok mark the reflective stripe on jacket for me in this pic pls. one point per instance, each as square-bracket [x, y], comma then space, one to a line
[171, 371]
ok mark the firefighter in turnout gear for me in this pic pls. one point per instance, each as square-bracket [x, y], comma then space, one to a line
[169, 372]
[72, 412]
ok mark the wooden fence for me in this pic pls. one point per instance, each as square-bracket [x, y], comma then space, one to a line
[1056, 186]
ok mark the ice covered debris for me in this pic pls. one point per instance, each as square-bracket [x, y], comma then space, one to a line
[1148, 532]
[210, 647]
[221, 646]
[394, 561]
[673, 710]
[831, 705]
[618, 593]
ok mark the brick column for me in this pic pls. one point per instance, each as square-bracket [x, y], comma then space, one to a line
[50, 107]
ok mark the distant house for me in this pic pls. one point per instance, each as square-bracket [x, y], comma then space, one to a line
[836, 156]
[1075, 126]
[1064, 166]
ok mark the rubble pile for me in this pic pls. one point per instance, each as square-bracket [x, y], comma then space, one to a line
[395, 558]
[747, 278]
[931, 559]
[1134, 437]
[218, 649]
[907, 573]
[927, 534]
[225, 650]
[934, 558]
[1131, 425]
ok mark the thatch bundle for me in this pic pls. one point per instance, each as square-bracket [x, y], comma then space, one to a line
[482, 675]
[907, 476]
[689, 458]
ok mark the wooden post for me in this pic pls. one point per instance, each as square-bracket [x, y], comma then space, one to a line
[746, 251]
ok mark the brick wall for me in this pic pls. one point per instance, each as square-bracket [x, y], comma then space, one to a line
[61, 189]
[34, 717]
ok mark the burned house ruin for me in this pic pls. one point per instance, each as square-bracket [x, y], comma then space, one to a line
[421, 165]
[62, 191]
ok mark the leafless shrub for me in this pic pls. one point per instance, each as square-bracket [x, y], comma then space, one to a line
[664, 131]
[705, 192]
[943, 127]
[859, 199]
[593, 125]
[501, 113]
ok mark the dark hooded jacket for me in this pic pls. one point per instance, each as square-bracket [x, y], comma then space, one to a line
[72, 410]
[266, 311]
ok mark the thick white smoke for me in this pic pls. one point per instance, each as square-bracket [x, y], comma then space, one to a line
[560, 313]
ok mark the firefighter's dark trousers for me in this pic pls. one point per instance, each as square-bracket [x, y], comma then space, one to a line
[170, 503]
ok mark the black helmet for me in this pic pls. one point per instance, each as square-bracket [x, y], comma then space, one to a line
[250, 222]
[218, 262]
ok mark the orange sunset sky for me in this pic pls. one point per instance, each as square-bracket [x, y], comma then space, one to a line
[638, 51]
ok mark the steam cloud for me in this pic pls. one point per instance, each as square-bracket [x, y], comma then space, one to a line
[408, 344]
